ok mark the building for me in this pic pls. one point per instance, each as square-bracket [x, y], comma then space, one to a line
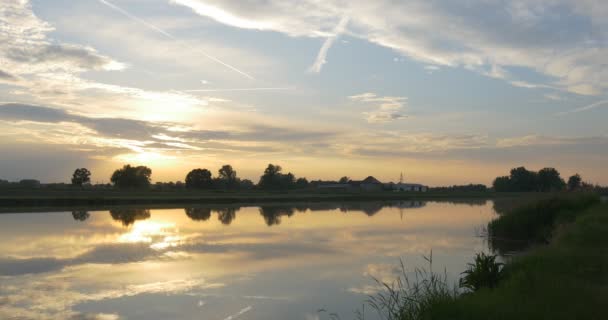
[415, 187]
[368, 184]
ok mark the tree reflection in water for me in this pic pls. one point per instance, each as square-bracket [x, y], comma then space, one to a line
[80, 215]
[198, 214]
[272, 214]
[226, 215]
[128, 216]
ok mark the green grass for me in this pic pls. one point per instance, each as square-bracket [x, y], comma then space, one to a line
[534, 223]
[567, 279]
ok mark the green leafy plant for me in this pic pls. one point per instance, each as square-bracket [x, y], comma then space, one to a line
[485, 272]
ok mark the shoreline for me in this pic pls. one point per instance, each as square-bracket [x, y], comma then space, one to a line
[40, 200]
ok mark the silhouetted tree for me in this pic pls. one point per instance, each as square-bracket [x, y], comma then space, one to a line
[198, 214]
[302, 183]
[246, 184]
[128, 216]
[80, 215]
[226, 215]
[132, 177]
[199, 179]
[270, 178]
[575, 182]
[502, 184]
[523, 180]
[549, 180]
[344, 179]
[81, 176]
[274, 179]
[227, 177]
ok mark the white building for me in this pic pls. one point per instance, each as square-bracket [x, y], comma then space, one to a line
[402, 187]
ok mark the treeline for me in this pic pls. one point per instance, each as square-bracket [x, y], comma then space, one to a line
[545, 180]
[139, 177]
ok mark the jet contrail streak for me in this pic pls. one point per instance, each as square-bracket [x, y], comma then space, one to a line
[585, 108]
[237, 89]
[170, 36]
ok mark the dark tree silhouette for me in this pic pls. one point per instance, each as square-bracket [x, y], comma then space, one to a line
[199, 179]
[227, 177]
[523, 180]
[575, 182]
[198, 214]
[549, 180]
[132, 177]
[344, 179]
[80, 215]
[226, 215]
[274, 179]
[128, 216]
[302, 183]
[81, 176]
[502, 184]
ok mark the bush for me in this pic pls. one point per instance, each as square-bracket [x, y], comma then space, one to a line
[484, 273]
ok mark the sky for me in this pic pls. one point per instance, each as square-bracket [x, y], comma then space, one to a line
[445, 92]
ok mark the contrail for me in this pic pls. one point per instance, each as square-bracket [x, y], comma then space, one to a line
[237, 89]
[170, 36]
[322, 55]
[585, 108]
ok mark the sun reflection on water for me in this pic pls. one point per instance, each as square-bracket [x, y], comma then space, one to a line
[161, 235]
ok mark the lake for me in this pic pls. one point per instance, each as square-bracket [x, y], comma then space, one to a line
[240, 262]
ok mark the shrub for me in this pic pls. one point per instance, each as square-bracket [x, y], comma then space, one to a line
[485, 272]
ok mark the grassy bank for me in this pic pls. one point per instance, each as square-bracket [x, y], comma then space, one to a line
[76, 197]
[565, 279]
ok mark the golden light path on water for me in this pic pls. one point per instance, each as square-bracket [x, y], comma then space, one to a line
[270, 262]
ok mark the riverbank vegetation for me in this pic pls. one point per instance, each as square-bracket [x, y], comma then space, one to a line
[566, 279]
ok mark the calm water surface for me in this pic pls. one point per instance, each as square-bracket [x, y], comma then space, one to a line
[249, 262]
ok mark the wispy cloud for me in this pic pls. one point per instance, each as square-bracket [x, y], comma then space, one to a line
[172, 37]
[520, 34]
[584, 108]
[386, 108]
[322, 55]
[240, 89]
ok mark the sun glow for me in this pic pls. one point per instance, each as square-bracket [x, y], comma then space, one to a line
[145, 157]
[160, 235]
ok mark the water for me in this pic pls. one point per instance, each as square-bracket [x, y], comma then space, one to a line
[248, 262]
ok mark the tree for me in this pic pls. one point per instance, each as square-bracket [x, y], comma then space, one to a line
[549, 180]
[271, 177]
[575, 182]
[81, 176]
[344, 180]
[274, 179]
[199, 179]
[502, 184]
[227, 177]
[132, 177]
[523, 180]
[301, 183]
